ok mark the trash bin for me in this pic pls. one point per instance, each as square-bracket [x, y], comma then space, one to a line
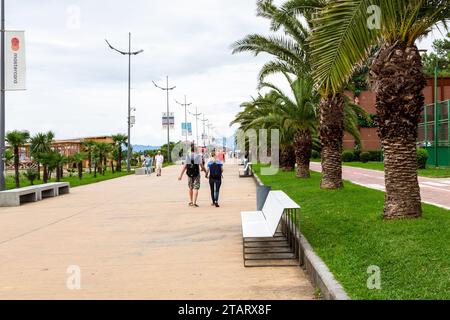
[261, 195]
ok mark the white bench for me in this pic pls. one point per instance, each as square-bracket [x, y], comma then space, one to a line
[53, 189]
[140, 171]
[263, 239]
[16, 197]
[246, 171]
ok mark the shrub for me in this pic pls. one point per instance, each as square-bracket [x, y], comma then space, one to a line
[376, 156]
[315, 154]
[357, 153]
[348, 156]
[364, 157]
[31, 175]
[422, 158]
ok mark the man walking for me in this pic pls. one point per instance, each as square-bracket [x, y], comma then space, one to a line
[192, 169]
[159, 159]
[215, 171]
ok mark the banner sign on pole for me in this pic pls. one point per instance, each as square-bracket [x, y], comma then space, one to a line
[168, 120]
[186, 127]
[15, 64]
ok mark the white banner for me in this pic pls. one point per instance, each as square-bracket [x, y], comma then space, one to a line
[15, 64]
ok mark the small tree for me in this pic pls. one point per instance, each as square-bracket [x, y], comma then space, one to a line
[77, 160]
[16, 139]
[120, 140]
[31, 175]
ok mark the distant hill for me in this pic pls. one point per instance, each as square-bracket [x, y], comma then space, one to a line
[140, 148]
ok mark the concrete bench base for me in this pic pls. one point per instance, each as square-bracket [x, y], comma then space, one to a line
[17, 197]
[139, 171]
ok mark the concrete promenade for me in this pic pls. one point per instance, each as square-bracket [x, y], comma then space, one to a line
[433, 191]
[136, 238]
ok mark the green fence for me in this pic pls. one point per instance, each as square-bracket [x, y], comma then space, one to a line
[434, 134]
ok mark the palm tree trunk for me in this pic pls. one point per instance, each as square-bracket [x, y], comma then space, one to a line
[38, 171]
[119, 159]
[58, 174]
[399, 82]
[287, 158]
[16, 167]
[303, 149]
[331, 136]
[80, 170]
[90, 162]
[105, 164]
[45, 178]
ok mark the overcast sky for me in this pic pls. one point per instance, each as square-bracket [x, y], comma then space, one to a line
[77, 87]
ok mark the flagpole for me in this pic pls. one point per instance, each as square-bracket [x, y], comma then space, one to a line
[2, 99]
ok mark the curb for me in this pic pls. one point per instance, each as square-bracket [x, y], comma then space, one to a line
[318, 272]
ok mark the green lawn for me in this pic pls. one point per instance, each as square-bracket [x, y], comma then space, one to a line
[74, 181]
[429, 172]
[347, 231]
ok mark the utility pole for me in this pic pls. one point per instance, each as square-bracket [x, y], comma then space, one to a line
[436, 115]
[204, 130]
[129, 54]
[210, 126]
[185, 105]
[2, 100]
[196, 115]
[167, 89]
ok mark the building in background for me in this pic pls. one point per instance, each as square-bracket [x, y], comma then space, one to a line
[367, 100]
[67, 147]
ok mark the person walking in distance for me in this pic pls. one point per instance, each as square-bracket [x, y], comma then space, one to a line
[215, 173]
[159, 159]
[148, 164]
[192, 169]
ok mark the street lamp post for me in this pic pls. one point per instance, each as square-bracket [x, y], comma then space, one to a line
[204, 129]
[129, 54]
[185, 105]
[436, 115]
[2, 100]
[196, 115]
[167, 89]
[209, 126]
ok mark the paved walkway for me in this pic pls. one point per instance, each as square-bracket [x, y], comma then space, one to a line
[433, 191]
[136, 238]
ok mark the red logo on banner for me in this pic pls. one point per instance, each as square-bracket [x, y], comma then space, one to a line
[15, 44]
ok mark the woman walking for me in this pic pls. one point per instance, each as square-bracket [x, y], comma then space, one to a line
[215, 171]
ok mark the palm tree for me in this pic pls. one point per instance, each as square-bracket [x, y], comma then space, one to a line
[89, 148]
[261, 113]
[78, 159]
[296, 118]
[103, 149]
[60, 161]
[40, 143]
[299, 115]
[293, 55]
[16, 139]
[119, 141]
[342, 40]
